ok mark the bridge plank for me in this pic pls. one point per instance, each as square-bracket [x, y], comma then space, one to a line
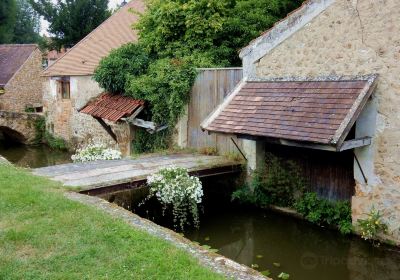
[98, 174]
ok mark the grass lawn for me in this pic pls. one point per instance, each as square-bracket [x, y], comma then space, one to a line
[43, 235]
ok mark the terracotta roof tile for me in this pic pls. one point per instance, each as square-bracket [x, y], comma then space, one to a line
[112, 107]
[312, 111]
[12, 57]
[84, 57]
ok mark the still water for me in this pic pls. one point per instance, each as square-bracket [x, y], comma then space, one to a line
[32, 156]
[276, 242]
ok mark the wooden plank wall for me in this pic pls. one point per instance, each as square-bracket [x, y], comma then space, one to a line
[209, 90]
[329, 174]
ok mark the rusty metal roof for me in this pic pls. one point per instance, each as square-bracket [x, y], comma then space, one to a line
[83, 58]
[319, 111]
[112, 107]
[12, 57]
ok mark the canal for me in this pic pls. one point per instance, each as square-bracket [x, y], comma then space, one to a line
[272, 242]
[32, 156]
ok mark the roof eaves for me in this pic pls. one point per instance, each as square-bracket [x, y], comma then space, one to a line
[355, 110]
[283, 29]
[19, 69]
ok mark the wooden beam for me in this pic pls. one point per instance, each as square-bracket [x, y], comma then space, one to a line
[143, 123]
[355, 111]
[135, 114]
[107, 128]
[355, 143]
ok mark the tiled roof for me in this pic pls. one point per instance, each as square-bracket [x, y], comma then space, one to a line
[318, 111]
[12, 57]
[112, 107]
[84, 57]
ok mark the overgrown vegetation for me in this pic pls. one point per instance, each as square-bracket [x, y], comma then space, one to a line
[281, 184]
[324, 212]
[54, 142]
[40, 129]
[43, 136]
[176, 37]
[44, 235]
[372, 226]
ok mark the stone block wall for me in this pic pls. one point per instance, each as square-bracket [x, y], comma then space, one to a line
[64, 120]
[25, 89]
[355, 38]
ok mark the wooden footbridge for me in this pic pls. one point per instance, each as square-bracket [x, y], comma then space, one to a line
[109, 176]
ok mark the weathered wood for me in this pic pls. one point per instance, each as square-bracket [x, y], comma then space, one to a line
[107, 128]
[355, 112]
[143, 123]
[209, 90]
[355, 143]
[329, 174]
[104, 174]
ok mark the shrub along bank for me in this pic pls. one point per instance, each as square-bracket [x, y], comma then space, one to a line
[43, 235]
[282, 185]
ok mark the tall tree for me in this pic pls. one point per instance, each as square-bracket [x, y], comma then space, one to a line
[27, 25]
[7, 20]
[71, 20]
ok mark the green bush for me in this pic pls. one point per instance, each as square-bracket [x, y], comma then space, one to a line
[114, 70]
[40, 129]
[324, 212]
[278, 183]
[166, 88]
[54, 142]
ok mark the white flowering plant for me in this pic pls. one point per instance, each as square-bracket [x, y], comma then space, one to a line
[174, 187]
[95, 151]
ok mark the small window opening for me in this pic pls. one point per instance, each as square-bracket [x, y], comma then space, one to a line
[64, 88]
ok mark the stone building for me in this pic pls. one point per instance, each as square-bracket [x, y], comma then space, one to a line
[21, 84]
[332, 49]
[70, 86]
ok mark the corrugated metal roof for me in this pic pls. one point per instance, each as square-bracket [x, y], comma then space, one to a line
[311, 111]
[84, 57]
[112, 107]
[12, 57]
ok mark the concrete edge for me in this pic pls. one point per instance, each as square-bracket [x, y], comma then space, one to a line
[213, 261]
[3, 160]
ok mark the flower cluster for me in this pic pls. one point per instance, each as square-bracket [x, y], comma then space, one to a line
[372, 226]
[94, 152]
[173, 186]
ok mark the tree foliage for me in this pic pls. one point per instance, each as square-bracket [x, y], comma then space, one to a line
[19, 23]
[113, 71]
[71, 20]
[27, 26]
[178, 36]
[219, 27]
[7, 20]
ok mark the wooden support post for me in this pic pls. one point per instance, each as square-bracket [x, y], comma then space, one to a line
[107, 128]
[355, 143]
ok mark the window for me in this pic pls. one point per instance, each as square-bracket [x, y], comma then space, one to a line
[64, 88]
[2, 91]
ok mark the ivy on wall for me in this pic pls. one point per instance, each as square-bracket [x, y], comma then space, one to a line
[175, 38]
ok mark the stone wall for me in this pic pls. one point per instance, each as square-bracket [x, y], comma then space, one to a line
[25, 89]
[20, 127]
[353, 38]
[63, 119]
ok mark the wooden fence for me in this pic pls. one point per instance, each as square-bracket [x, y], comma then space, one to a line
[209, 90]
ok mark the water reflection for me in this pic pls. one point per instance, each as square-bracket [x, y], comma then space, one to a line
[276, 242]
[32, 156]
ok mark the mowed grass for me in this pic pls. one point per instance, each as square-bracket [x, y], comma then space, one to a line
[43, 235]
